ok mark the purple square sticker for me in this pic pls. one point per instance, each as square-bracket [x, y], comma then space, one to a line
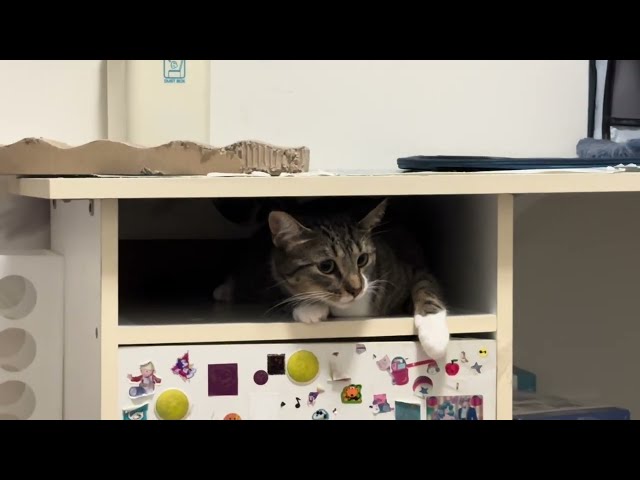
[223, 379]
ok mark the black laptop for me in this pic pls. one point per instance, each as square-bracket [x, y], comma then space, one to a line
[447, 163]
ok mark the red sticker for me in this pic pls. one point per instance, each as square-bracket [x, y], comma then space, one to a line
[452, 368]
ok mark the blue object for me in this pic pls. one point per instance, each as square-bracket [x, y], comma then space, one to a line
[594, 148]
[526, 380]
[527, 406]
[586, 413]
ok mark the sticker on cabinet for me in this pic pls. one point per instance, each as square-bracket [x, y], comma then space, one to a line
[422, 386]
[463, 407]
[384, 363]
[147, 381]
[173, 404]
[352, 394]
[407, 411]
[223, 379]
[452, 368]
[275, 364]
[380, 404]
[138, 412]
[260, 377]
[303, 367]
[320, 414]
[183, 368]
[311, 398]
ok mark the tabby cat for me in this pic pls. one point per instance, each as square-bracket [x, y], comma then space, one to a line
[321, 266]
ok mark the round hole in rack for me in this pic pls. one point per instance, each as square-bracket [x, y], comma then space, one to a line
[17, 349]
[17, 400]
[17, 297]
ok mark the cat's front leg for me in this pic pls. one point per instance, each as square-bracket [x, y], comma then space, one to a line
[433, 333]
[314, 313]
[430, 316]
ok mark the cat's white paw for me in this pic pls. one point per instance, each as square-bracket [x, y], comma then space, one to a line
[314, 313]
[224, 292]
[433, 333]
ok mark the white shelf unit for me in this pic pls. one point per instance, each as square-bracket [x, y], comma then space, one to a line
[474, 244]
[476, 248]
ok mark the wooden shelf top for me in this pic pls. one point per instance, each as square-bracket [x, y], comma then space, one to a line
[65, 188]
[233, 331]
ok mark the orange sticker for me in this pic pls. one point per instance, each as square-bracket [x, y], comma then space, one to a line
[352, 394]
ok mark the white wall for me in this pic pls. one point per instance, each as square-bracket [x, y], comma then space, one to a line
[365, 114]
[58, 99]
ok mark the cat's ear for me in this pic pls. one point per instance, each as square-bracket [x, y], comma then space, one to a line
[374, 217]
[286, 231]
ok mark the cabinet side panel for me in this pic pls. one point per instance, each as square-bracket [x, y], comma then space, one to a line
[109, 307]
[504, 310]
[76, 234]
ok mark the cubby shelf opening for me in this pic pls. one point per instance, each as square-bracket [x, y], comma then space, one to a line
[173, 253]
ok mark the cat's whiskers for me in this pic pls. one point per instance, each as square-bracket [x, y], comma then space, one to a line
[277, 284]
[378, 286]
[305, 298]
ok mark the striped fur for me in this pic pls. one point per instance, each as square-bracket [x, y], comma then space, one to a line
[325, 266]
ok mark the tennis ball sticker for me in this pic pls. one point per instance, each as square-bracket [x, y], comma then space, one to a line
[172, 404]
[303, 367]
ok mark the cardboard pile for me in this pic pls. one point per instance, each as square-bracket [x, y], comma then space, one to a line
[41, 157]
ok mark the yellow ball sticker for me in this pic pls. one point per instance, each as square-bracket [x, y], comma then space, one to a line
[172, 404]
[303, 367]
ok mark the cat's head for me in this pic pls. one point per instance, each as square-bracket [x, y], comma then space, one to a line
[328, 260]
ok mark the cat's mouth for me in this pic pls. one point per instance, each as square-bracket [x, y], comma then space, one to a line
[347, 300]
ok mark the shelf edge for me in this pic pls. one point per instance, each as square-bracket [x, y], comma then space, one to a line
[263, 332]
[365, 185]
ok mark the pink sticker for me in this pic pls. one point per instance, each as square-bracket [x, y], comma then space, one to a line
[380, 404]
[384, 363]
[399, 371]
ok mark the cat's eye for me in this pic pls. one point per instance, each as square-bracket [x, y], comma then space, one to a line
[363, 259]
[327, 266]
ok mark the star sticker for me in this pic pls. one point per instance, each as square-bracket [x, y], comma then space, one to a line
[424, 390]
[477, 367]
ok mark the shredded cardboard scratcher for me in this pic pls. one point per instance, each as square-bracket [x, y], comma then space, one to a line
[38, 156]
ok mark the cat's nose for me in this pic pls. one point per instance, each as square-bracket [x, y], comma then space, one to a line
[353, 290]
